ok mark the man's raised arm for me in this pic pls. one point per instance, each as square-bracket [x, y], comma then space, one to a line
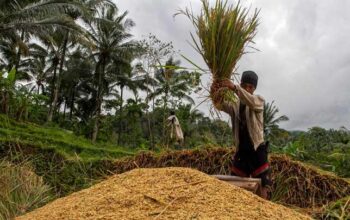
[218, 101]
[255, 102]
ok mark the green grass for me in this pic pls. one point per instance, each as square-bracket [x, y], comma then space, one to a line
[61, 141]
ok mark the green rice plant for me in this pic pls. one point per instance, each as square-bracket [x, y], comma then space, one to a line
[281, 187]
[339, 210]
[21, 189]
[222, 34]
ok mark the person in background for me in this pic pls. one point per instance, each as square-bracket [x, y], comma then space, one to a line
[175, 131]
[251, 157]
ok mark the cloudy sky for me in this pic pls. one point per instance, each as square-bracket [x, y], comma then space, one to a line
[304, 57]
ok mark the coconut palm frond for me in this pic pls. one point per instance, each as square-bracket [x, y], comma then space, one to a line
[271, 118]
[38, 14]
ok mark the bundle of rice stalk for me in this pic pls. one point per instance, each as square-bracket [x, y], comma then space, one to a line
[338, 210]
[21, 190]
[223, 33]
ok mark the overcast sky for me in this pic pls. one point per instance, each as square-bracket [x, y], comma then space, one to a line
[304, 58]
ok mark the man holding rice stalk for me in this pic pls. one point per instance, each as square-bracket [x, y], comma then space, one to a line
[222, 35]
[251, 157]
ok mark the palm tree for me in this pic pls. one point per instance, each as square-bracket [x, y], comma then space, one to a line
[33, 15]
[60, 38]
[50, 48]
[38, 67]
[14, 48]
[172, 87]
[123, 75]
[153, 53]
[10, 61]
[172, 84]
[20, 20]
[109, 34]
[271, 120]
[11, 49]
[73, 37]
[76, 78]
[189, 118]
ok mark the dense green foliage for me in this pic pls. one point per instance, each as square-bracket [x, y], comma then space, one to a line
[328, 149]
[92, 78]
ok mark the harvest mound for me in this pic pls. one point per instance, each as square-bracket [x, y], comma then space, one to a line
[162, 193]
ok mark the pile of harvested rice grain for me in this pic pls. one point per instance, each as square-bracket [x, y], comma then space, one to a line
[163, 193]
[295, 184]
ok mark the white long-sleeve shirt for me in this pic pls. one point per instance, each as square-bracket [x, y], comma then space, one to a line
[175, 127]
[254, 115]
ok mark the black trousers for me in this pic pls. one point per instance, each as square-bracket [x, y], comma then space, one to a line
[248, 162]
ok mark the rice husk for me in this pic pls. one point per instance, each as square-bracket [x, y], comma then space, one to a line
[295, 184]
[162, 193]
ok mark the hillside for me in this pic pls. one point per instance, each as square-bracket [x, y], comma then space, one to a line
[15, 134]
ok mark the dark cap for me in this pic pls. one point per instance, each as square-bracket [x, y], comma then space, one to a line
[250, 77]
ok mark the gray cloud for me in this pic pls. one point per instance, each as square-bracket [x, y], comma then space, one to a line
[304, 57]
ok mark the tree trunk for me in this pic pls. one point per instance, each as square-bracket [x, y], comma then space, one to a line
[149, 116]
[96, 125]
[50, 113]
[120, 113]
[152, 120]
[64, 109]
[58, 83]
[72, 103]
[165, 100]
[98, 100]
[18, 56]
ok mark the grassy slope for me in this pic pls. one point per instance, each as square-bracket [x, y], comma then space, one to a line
[63, 142]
